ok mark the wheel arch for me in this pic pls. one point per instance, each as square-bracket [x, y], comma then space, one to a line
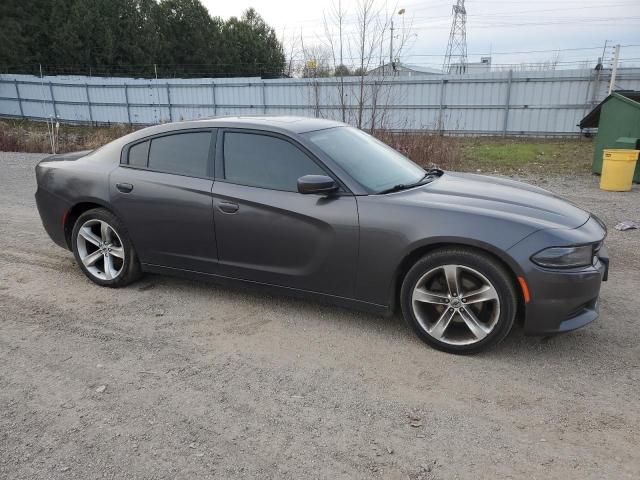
[78, 209]
[418, 251]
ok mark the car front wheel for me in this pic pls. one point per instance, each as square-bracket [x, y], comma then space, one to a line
[103, 249]
[459, 300]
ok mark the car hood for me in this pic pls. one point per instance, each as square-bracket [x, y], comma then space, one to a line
[497, 197]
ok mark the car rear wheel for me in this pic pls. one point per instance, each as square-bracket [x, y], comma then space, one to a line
[459, 300]
[103, 249]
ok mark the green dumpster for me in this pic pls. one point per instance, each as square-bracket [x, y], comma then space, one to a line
[617, 119]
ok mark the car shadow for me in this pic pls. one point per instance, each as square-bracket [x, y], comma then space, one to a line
[516, 345]
[286, 303]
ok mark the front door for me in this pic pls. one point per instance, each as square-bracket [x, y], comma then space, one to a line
[268, 232]
[162, 192]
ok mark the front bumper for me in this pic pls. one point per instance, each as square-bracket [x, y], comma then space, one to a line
[562, 300]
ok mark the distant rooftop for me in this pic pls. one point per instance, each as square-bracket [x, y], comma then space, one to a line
[405, 69]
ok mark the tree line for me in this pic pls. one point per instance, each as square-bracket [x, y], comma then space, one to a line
[167, 38]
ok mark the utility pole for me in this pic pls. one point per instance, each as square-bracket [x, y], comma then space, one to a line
[391, 47]
[614, 68]
[340, 28]
[391, 64]
[456, 53]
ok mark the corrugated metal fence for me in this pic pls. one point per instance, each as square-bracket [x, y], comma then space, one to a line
[497, 103]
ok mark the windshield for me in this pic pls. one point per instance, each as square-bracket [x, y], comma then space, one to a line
[373, 164]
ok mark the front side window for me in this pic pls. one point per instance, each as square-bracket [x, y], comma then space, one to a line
[267, 162]
[182, 154]
[373, 164]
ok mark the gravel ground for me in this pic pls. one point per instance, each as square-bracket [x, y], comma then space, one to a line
[171, 378]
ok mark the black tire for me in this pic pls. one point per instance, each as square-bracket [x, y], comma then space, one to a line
[129, 269]
[493, 271]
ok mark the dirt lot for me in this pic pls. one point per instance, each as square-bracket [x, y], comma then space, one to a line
[171, 378]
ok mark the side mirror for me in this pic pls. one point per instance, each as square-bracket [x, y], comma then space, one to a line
[316, 184]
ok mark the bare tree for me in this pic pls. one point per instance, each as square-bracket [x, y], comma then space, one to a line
[375, 26]
[370, 31]
[317, 64]
[318, 61]
[293, 53]
[355, 53]
[336, 18]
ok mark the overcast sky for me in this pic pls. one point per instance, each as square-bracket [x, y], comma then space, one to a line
[492, 26]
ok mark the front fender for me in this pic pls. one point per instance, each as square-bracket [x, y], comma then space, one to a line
[391, 233]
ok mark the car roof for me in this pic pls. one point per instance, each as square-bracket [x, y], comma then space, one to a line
[272, 123]
[290, 123]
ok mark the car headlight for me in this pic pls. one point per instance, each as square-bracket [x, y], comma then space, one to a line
[564, 257]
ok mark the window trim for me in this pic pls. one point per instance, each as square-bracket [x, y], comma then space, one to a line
[124, 155]
[219, 158]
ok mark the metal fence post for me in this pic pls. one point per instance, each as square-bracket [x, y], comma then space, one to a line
[53, 100]
[86, 89]
[596, 87]
[443, 82]
[586, 95]
[506, 104]
[213, 98]
[169, 102]
[264, 98]
[126, 98]
[15, 82]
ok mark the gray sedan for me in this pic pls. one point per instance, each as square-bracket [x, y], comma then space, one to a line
[319, 209]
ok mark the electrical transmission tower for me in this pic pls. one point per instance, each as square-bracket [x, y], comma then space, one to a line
[457, 47]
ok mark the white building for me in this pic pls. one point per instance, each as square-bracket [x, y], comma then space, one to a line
[483, 66]
[403, 70]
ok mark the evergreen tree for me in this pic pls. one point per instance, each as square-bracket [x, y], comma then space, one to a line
[251, 46]
[189, 37]
[129, 37]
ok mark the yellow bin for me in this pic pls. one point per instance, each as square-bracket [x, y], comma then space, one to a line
[617, 169]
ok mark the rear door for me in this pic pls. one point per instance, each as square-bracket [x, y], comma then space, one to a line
[268, 232]
[162, 191]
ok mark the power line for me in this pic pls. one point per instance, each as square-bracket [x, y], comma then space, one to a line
[483, 14]
[439, 25]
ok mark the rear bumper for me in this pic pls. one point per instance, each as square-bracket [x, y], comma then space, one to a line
[52, 212]
[562, 300]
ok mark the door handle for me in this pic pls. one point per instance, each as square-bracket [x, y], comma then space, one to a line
[124, 187]
[228, 207]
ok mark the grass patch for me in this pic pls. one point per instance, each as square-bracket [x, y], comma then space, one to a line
[495, 154]
[471, 154]
[526, 155]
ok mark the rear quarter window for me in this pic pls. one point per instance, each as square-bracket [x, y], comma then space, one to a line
[138, 154]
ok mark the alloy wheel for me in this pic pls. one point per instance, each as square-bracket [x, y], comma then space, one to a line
[100, 249]
[456, 304]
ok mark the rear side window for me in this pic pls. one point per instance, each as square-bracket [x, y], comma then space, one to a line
[138, 154]
[267, 162]
[183, 154]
